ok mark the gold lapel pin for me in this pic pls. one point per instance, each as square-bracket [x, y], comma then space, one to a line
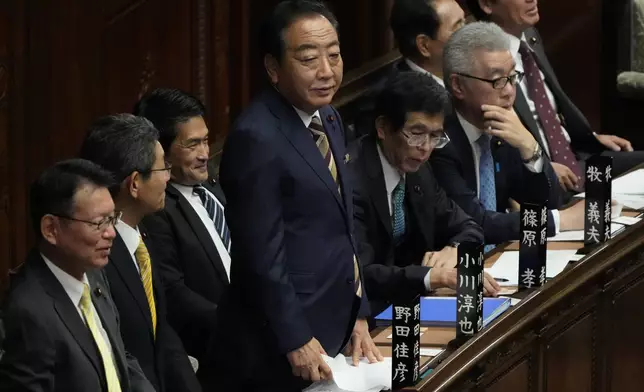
[347, 157]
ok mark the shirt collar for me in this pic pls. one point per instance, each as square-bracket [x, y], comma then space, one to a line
[515, 43]
[186, 190]
[473, 133]
[72, 286]
[392, 175]
[417, 68]
[130, 236]
[306, 118]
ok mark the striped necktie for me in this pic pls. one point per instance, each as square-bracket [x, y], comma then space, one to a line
[216, 213]
[142, 257]
[322, 142]
[487, 186]
[111, 376]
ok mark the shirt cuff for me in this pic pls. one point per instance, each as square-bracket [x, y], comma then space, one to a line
[536, 166]
[556, 219]
[427, 281]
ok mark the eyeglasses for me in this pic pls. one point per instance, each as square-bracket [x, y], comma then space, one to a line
[499, 83]
[167, 167]
[194, 143]
[435, 139]
[101, 225]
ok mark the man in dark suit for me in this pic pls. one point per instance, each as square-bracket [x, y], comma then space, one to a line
[193, 245]
[128, 146]
[407, 228]
[421, 29]
[557, 124]
[296, 287]
[492, 157]
[62, 327]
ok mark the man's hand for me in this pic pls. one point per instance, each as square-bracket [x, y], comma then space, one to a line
[568, 180]
[615, 143]
[445, 258]
[448, 277]
[307, 362]
[505, 124]
[572, 218]
[362, 345]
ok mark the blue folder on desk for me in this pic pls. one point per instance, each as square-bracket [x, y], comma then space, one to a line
[441, 311]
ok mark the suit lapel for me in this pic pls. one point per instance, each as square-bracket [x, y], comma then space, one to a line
[300, 138]
[106, 313]
[335, 136]
[418, 204]
[123, 262]
[377, 185]
[201, 232]
[463, 150]
[68, 313]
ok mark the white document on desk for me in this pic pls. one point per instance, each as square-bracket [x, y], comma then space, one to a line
[630, 184]
[366, 377]
[507, 265]
[578, 235]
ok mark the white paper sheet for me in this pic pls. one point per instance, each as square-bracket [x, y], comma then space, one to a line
[630, 184]
[627, 220]
[366, 377]
[507, 265]
[430, 352]
[578, 235]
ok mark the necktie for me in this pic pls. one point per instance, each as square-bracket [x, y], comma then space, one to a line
[557, 144]
[216, 214]
[487, 187]
[111, 376]
[322, 142]
[398, 216]
[143, 260]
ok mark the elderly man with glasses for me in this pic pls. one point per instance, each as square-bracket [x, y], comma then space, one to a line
[493, 160]
[407, 228]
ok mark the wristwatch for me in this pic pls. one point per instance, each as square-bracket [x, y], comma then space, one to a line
[535, 155]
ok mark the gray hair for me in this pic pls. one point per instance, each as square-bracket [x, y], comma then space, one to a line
[460, 50]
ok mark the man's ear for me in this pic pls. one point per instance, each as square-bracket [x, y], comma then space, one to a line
[132, 184]
[272, 67]
[382, 126]
[423, 45]
[456, 85]
[49, 226]
[486, 6]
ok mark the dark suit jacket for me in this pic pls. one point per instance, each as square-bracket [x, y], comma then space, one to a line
[292, 275]
[194, 276]
[163, 360]
[455, 171]
[48, 346]
[581, 135]
[433, 221]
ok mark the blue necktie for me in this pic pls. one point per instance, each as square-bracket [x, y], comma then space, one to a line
[398, 216]
[487, 187]
[216, 213]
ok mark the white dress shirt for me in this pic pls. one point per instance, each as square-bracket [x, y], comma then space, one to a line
[198, 207]
[131, 236]
[392, 178]
[473, 134]
[307, 118]
[74, 289]
[417, 68]
[514, 50]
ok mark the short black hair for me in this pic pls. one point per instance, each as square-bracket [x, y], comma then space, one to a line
[54, 190]
[410, 18]
[408, 92]
[122, 144]
[476, 10]
[166, 108]
[271, 32]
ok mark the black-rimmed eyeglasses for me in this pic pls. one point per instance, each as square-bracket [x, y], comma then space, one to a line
[101, 225]
[498, 83]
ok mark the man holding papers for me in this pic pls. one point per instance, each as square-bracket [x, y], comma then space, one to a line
[404, 222]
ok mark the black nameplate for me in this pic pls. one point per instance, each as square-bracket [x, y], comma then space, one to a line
[405, 347]
[598, 199]
[469, 293]
[532, 250]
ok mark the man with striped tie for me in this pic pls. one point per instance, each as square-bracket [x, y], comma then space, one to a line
[62, 327]
[191, 231]
[128, 146]
[296, 287]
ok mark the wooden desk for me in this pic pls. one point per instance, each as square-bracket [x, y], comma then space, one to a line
[583, 331]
